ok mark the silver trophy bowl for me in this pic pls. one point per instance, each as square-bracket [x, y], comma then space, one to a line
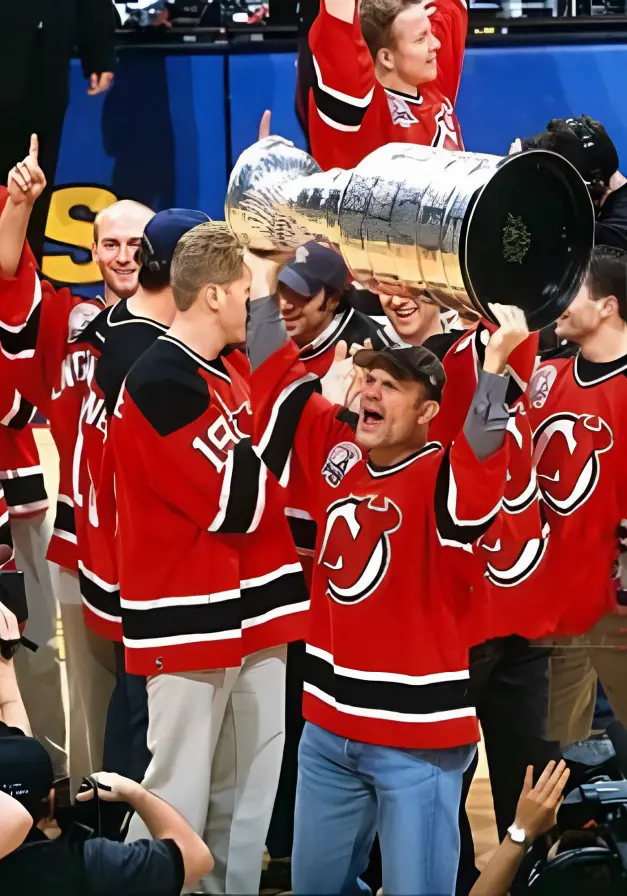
[461, 229]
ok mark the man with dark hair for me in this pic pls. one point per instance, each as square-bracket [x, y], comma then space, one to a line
[316, 314]
[589, 148]
[386, 71]
[578, 414]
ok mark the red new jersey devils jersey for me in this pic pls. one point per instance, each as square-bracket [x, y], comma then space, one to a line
[351, 114]
[387, 661]
[208, 572]
[349, 326]
[122, 338]
[579, 419]
[512, 549]
[40, 331]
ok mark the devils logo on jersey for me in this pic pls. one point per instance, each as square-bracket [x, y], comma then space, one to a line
[567, 455]
[446, 135]
[355, 552]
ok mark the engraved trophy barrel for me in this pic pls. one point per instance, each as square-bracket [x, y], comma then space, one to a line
[463, 229]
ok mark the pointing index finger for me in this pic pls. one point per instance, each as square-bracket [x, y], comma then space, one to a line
[33, 151]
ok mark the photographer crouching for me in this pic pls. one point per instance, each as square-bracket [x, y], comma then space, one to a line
[79, 862]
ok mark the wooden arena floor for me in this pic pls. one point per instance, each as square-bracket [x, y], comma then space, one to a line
[480, 809]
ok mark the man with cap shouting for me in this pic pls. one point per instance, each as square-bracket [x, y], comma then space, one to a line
[312, 291]
[390, 728]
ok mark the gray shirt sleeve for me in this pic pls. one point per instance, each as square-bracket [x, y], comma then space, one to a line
[488, 415]
[265, 330]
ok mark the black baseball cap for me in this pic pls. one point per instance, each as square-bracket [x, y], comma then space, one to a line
[313, 268]
[26, 771]
[163, 232]
[412, 362]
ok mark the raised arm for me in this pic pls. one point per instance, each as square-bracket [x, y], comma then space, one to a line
[472, 477]
[344, 69]
[289, 414]
[25, 185]
[449, 23]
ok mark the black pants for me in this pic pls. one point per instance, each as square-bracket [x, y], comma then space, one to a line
[125, 747]
[281, 832]
[509, 685]
[17, 123]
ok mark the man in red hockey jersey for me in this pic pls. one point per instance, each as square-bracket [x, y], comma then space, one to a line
[124, 332]
[40, 332]
[579, 417]
[387, 71]
[210, 586]
[316, 315]
[389, 722]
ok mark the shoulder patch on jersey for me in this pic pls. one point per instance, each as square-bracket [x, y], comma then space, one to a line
[400, 111]
[341, 458]
[541, 383]
[80, 318]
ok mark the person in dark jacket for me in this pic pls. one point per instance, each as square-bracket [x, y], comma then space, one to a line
[37, 40]
[587, 145]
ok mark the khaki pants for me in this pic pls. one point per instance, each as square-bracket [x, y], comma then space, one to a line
[216, 740]
[90, 665]
[39, 674]
[576, 663]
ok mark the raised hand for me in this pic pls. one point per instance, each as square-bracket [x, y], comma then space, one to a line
[265, 124]
[100, 83]
[537, 808]
[26, 180]
[512, 331]
[343, 383]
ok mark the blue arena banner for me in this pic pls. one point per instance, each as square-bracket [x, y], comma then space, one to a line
[165, 133]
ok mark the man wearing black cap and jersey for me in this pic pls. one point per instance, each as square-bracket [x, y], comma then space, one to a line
[317, 316]
[390, 727]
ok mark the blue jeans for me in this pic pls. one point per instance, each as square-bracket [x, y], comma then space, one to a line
[348, 790]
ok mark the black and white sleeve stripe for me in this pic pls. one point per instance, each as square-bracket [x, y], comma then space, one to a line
[22, 413]
[339, 110]
[453, 528]
[24, 490]
[19, 341]
[275, 445]
[242, 497]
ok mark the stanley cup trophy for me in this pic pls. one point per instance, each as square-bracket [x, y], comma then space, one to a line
[463, 229]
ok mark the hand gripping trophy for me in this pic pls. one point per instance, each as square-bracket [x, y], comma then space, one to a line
[463, 229]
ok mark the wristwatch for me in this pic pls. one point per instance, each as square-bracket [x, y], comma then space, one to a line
[517, 835]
